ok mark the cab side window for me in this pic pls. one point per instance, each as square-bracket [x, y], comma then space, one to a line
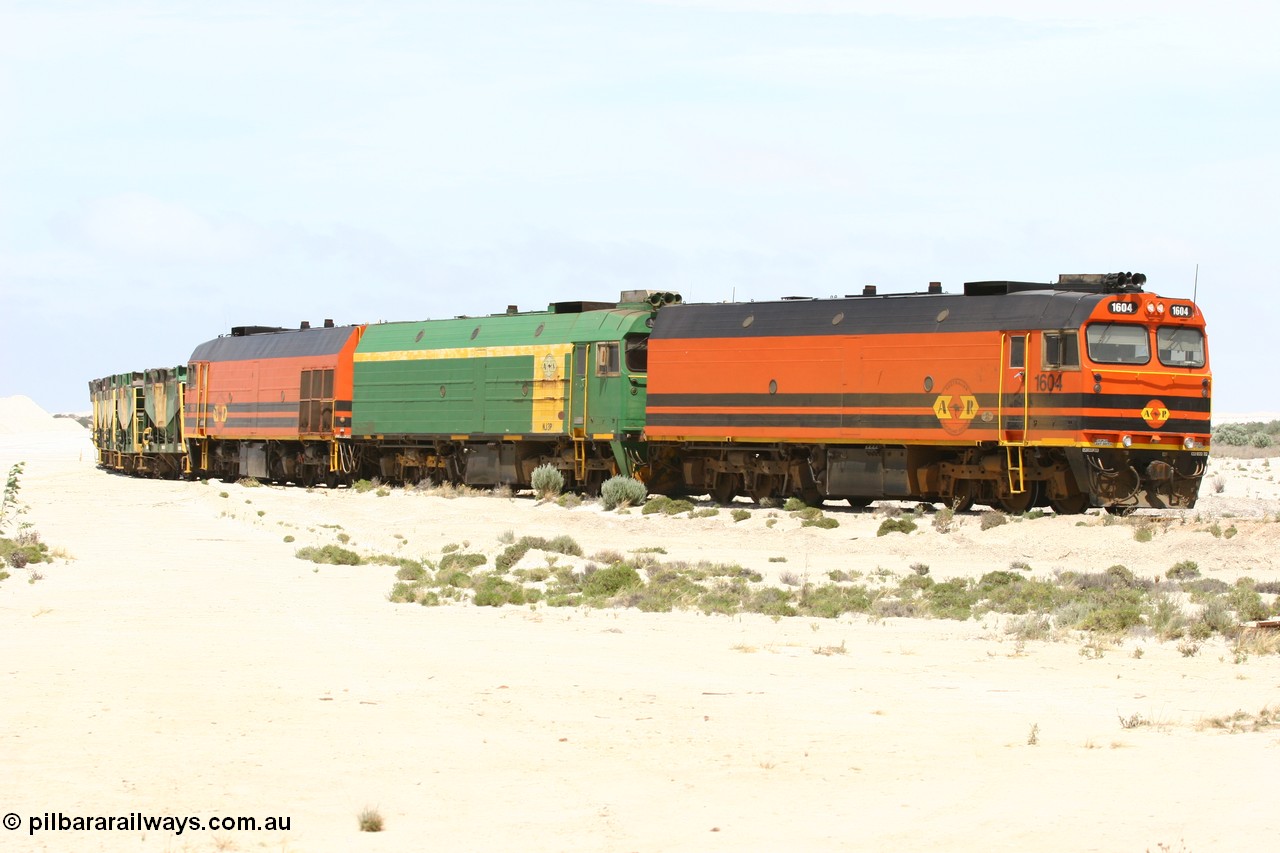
[607, 358]
[1061, 351]
[1017, 350]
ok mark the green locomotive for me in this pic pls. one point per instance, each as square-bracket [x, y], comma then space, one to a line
[486, 400]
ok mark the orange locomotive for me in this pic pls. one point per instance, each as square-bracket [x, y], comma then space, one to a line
[1087, 392]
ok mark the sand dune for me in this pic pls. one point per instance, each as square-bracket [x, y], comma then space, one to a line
[183, 662]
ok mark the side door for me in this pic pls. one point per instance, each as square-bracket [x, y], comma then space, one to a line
[1015, 350]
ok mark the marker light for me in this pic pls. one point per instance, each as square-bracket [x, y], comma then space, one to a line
[1188, 442]
[1160, 308]
[1151, 309]
[1126, 440]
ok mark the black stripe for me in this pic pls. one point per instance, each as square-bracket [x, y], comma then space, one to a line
[245, 407]
[1134, 402]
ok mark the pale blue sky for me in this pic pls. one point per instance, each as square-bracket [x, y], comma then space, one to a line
[171, 169]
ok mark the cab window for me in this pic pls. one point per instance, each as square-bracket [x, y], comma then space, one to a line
[1118, 343]
[1179, 347]
[1018, 351]
[607, 359]
[637, 353]
[1061, 351]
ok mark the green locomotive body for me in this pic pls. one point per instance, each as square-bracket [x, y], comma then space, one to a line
[485, 400]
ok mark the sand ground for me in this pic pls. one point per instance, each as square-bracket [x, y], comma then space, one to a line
[179, 660]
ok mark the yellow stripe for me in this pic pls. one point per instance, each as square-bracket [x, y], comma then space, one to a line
[462, 352]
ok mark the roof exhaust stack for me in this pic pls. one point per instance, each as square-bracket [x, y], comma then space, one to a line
[328, 324]
[869, 290]
[935, 287]
[305, 324]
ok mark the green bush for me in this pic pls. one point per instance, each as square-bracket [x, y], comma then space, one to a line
[622, 491]
[334, 555]
[895, 525]
[825, 522]
[559, 545]
[495, 591]
[461, 561]
[1183, 570]
[666, 506]
[547, 481]
[610, 581]
[831, 600]
[738, 514]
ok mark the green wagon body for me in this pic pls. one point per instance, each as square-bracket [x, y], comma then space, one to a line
[137, 421]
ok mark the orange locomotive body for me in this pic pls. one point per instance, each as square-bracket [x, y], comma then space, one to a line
[272, 403]
[1087, 392]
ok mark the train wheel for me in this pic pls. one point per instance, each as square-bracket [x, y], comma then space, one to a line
[725, 489]
[1017, 504]
[1073, 504]
[763, 489]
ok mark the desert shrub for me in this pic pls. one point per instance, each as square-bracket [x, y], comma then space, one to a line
[1183, 570]
[461, 561]
[1166, 619]
[1109, 611]
[622, 491]
[824, 522]
[495, 591]
[794, 504]
[943, 519]
[953, 599]
[1202, 589]
[895, 525]
[1259, 439]
[741, 515]
[1019, 595]
[706, 512]
[330, 554]
[1246, 602]
[1121, 576]
[402, 593]
[411, 570]
[370, 820]
[665, 591]
[23, 550]
[920, 568]
[361, 486]
[992, 518]
[1033, 626]
[771, 601]
[666, 506]
[831, 600]
[1143, 533]
[512, 553]
[1214, 618]
[569, 500]
[547, 481]
[610, 581]
[1233, 434]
